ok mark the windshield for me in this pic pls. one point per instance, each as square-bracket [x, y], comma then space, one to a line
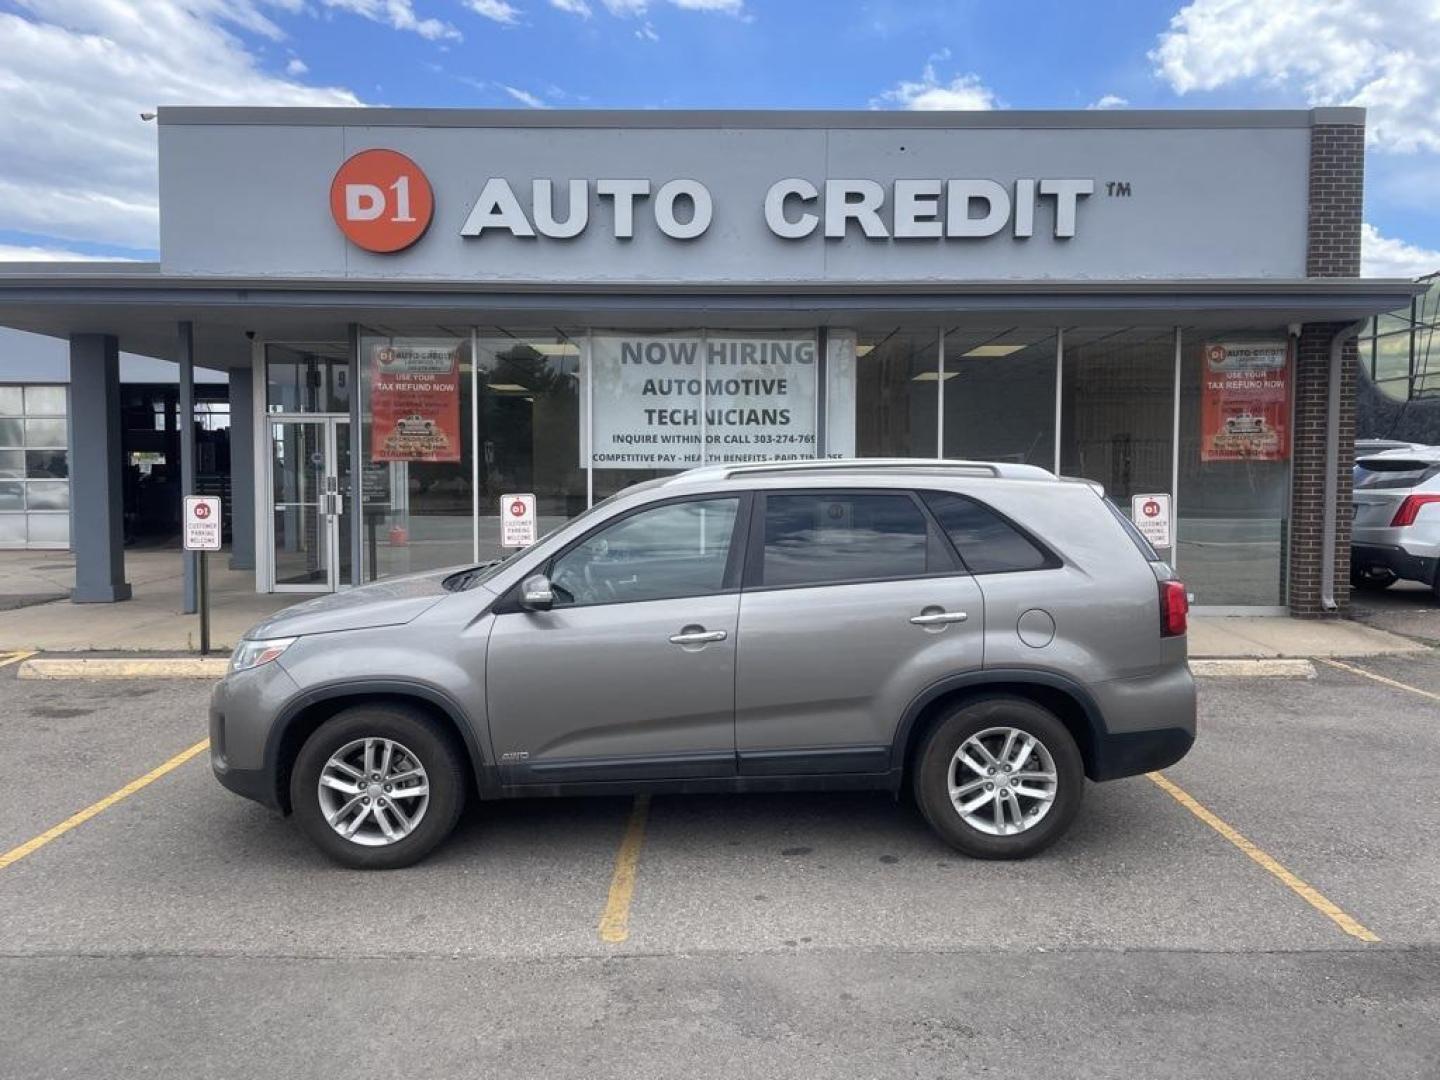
[1402, 472]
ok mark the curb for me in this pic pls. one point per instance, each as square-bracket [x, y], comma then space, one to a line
[208, 668]
[1253, 669]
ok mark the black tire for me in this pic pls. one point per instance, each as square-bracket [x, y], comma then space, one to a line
[1373, 580]
[432, 745]
[931, 777]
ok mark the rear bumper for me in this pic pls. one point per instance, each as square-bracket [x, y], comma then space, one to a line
[1148, 723]
[1134, 752]
[1392, 557]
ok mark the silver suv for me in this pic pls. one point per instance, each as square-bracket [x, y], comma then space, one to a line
[984, 635]
[1396, 530]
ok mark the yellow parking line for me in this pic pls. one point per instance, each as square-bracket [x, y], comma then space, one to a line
[1306, 892]
[14, 855]
[14, 657]
[1378, 678]
[615, 921]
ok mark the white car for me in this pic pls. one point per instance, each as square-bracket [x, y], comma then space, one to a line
[1244, 424]
[1396, 531]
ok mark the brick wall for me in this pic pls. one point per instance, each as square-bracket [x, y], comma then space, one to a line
[1337, 178]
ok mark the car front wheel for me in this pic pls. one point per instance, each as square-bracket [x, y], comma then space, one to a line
[377, 787]
[1000, 778]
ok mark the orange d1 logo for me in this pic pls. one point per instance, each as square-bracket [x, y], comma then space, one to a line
[381, 200]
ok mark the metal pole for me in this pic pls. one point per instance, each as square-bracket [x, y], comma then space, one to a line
[1059, 382]
[475, 444]
[940, 395]
[204, 590]
[185, 421]
[1175, 463]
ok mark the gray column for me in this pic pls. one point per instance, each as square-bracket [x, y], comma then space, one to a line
[185, 358]
[242, 470]
[97, 534]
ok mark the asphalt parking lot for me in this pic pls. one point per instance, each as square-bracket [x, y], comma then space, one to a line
[182, 932]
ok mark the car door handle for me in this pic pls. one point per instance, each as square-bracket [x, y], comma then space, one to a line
[697, 637]
[939, 617]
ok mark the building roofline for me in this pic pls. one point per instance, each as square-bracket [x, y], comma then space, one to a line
[661, 119]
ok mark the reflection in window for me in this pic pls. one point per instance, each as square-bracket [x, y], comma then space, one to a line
[1000, 395]
[896, 390]
[815, 539]
[674, 550]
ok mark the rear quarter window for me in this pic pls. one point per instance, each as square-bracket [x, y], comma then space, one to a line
[987, 542]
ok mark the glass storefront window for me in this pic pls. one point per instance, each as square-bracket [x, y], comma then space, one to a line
[417, 481]
[1000, 396]
[527, 427]
[34, 466]
[307, 377]
[1117, 402]
[896, 396]
[1234, 493]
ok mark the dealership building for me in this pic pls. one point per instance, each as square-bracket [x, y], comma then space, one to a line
[422, 311]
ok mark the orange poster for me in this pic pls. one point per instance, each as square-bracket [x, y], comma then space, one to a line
[1245, 402]
[415, 402]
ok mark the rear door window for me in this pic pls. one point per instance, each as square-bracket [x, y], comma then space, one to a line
[987, 543]
[819, 538]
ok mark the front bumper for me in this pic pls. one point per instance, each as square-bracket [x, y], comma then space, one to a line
[1403, 564]
[243, 708]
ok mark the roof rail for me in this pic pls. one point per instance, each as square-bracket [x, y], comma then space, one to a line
[982, 468]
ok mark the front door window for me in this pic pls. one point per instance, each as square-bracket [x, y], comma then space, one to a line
[309, 476]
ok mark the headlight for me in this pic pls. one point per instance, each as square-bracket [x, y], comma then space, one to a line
[251, 654]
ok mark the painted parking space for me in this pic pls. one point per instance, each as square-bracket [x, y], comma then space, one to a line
[182, 865]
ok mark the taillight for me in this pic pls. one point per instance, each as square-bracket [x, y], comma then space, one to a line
[1174, 607]
[1410, 509]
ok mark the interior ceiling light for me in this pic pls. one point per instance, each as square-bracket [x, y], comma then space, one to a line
[864, 350]
[993, 350]
[564, 348]
[508, 387]
[934, 376]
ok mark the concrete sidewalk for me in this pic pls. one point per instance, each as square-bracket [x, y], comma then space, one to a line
[151, 620]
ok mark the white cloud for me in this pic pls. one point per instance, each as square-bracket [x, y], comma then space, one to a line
[647, 33]
[296, 66]
[30, 253]
[1384, 256]
[496, 10]
[1109, 101]
[573, 7]
[398, 14]
[961, 92]
[1381, 54]
[80, 164]
[526, 98]
[642, 7]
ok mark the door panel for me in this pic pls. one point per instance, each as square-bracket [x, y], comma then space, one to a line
[831, 668]
[575, 688]
[302, 555]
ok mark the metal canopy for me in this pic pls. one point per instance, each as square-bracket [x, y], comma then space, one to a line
[141, 306]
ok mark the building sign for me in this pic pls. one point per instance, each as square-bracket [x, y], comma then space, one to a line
[381, 200]
[1245, 402]
[415, 402]
[657, 399]
[1151, 514]
[517, 520]
[201, 524]
[794, 208]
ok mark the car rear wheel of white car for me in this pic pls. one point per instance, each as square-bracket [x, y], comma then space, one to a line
[1373, 579]
[376, 787]
[999, 778]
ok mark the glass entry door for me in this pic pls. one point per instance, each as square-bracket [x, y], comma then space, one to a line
[310, 518]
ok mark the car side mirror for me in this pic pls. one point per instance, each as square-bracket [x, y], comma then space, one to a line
[536, 593]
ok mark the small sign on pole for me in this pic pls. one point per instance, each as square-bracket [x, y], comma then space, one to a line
[1151, 514]
[200, 529]
[517, 521]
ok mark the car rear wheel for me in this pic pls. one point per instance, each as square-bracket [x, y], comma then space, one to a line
[1375, 579]
[377, 787]
[999, 778]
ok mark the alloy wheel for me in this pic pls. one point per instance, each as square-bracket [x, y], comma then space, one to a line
[374, 791]
[1002, 781]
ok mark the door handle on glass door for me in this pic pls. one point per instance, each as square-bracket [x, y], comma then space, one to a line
[696, 637]
[938, 618]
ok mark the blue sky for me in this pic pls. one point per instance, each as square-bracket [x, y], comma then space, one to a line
[77, 175]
